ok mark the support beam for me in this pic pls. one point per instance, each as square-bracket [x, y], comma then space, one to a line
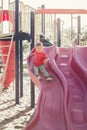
[21, 68]
[61, 11]
[32, 46]
[17, 51]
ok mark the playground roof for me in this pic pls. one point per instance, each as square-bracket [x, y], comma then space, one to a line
[61, 11]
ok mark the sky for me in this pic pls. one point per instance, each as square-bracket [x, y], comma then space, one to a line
[58, 3]
[73, 4]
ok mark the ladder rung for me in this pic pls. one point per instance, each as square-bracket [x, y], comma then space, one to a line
[2, 65]
[4, 54]
[4, 46]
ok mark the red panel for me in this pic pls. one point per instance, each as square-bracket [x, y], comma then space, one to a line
[5, 16]
[10, 73]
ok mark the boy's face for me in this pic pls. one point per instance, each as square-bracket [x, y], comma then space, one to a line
[39, 48]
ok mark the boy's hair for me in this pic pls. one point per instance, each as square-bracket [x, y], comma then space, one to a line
[38, 44]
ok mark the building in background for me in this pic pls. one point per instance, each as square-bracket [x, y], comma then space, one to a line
[7, 16]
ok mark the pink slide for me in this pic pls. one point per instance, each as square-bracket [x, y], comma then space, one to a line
[62, 103]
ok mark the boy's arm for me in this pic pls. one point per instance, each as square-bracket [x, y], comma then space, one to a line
[32, 54]
[46, 60]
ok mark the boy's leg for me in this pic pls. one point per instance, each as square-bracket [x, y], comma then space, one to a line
[43, 70]
[36, 70]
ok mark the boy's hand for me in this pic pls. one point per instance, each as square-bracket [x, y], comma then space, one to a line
[46, 60]
[31, 54]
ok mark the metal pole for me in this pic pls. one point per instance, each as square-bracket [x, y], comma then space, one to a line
[16, 51]
[55, 27]
[32, 46]
[78, 29]
[71, 26]
[43, 21]
[21, 69]
[58, 33]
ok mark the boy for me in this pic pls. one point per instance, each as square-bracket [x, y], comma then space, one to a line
[40, 59]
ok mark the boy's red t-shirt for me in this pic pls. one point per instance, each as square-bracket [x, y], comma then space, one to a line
[39, 58]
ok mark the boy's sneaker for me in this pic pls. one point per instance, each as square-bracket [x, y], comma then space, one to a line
[38, 77]
[49, 78]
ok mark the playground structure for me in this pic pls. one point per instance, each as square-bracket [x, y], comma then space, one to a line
[62, 103]
[12, 53]
[53, 25]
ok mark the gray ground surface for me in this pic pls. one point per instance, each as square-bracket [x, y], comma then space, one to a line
[16, 116]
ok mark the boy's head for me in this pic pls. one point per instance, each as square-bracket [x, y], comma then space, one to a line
[39, 47]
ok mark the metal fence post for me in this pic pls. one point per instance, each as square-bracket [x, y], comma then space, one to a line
[32, 46]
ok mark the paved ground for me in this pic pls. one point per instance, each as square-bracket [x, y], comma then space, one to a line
[13, 116]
